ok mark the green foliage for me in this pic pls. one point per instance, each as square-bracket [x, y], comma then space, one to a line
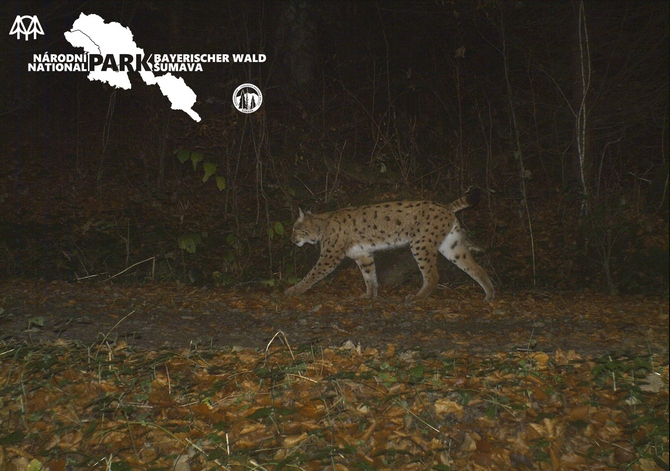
[276, 229]
[416, 373]
[233, 247]
[232, 261]
[621, 368]
[35, 465]
[12, 437]
[209, 168]
[183, 155]
[121, 466]
[189, 241]
[36, 321]
[196, 157]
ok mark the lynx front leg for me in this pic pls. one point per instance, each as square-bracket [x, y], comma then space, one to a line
[367, 265]
[324, 266]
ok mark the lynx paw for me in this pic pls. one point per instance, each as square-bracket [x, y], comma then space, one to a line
[292, 291]
[295, 290]
[368, 296]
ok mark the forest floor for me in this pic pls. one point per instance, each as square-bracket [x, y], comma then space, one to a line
[178, 316]
[103, 376]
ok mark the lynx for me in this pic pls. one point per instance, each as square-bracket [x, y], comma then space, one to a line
[357, 233]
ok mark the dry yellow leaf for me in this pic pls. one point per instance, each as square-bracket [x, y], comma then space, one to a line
[447, 406]
[579, 413]
[293, 440]
[540, 357]
[250, 427]
[572, 461]
[470, 442]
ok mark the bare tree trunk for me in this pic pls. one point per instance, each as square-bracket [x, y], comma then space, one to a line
[296, 45]
[581, 81]
[518, 152]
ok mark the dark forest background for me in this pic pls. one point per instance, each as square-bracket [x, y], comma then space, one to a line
[559, 110]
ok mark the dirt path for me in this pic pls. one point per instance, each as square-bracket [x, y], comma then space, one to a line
[151, 316]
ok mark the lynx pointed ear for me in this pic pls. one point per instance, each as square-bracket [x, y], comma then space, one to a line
[301, 215]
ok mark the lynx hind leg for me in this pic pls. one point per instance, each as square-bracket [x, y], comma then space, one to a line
[367, 265]
[426, 258]
[455, 249]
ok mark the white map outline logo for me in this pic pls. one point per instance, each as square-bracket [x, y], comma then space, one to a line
[19, 27]
[111, 41]
[245, 100]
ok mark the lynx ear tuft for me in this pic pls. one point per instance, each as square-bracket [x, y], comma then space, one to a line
[301, 215]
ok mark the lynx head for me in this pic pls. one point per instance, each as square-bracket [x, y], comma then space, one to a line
[304, 230]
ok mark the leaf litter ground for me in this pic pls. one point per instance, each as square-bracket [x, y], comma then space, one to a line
[173, 377]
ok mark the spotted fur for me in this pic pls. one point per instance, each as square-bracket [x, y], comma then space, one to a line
[427, 227]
